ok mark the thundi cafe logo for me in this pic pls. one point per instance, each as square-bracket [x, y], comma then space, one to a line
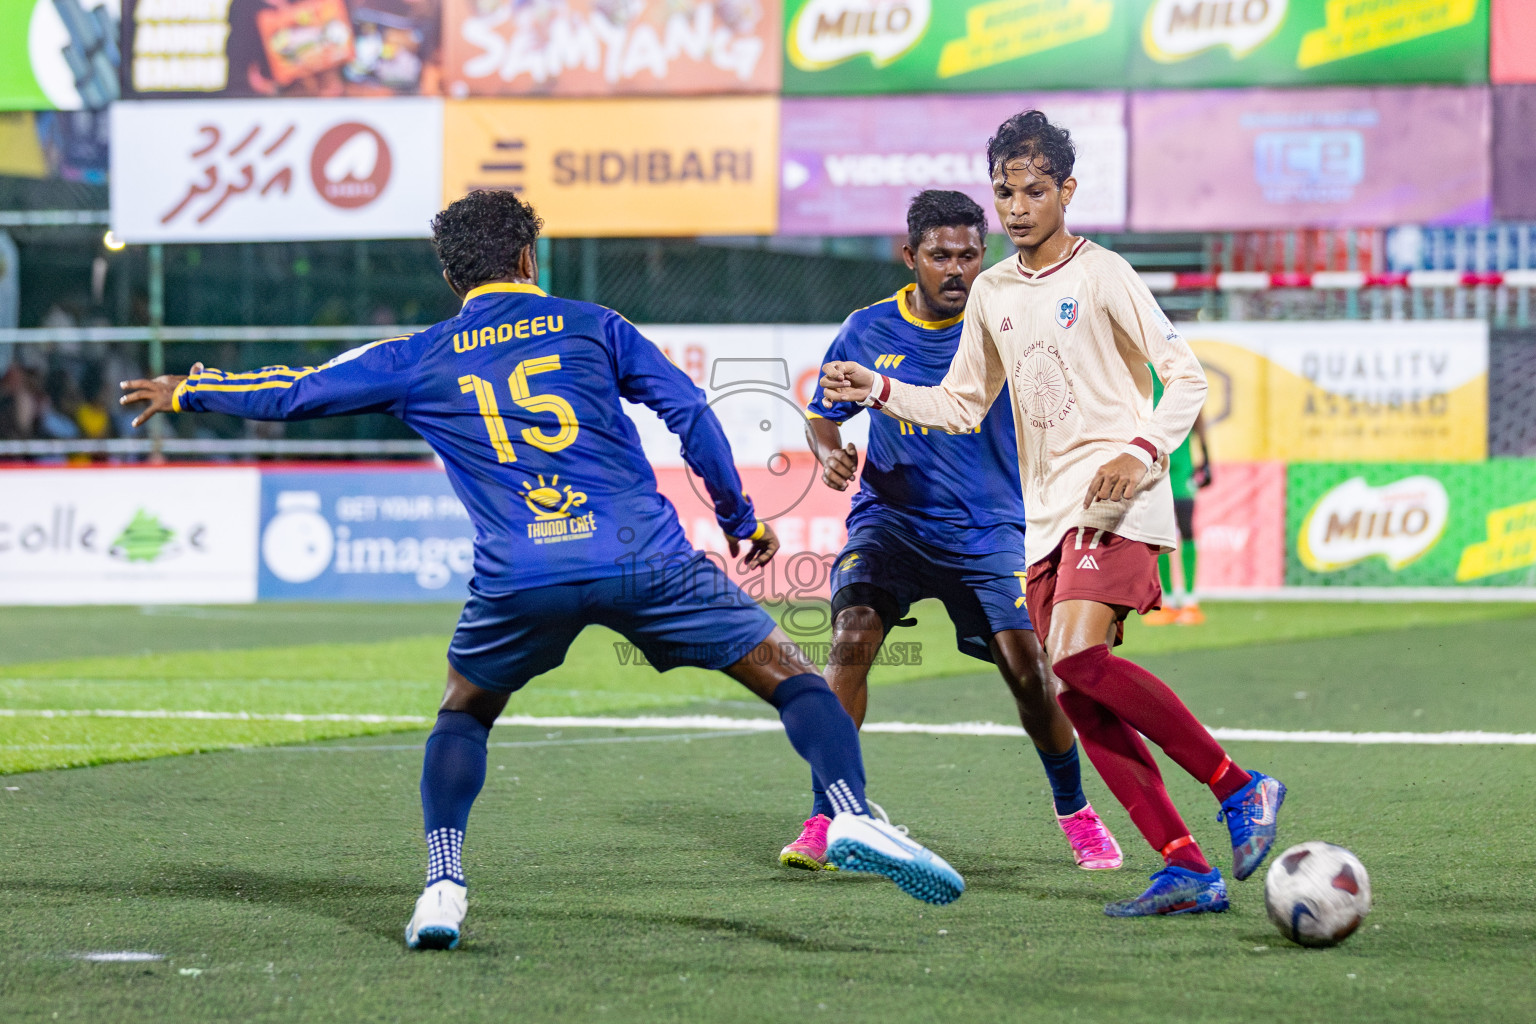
[1399, 521]
[827, 32]
[1178, 29]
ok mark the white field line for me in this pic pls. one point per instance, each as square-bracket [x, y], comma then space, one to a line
[719, 723]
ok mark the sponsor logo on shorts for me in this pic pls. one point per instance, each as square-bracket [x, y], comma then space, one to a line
[1087, 562]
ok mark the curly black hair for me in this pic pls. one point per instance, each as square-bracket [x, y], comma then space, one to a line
[478, 238]
[1031, 135]
[938, 208]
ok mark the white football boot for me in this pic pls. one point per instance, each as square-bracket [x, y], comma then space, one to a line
[861, 842]
[439, 916]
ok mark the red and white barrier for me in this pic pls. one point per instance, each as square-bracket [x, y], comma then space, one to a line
[1346, 280]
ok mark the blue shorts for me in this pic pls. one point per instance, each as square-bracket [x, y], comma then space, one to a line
[689, 613]
[983, 594]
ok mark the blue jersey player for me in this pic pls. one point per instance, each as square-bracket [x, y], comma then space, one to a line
[937, 515]
[519, 394]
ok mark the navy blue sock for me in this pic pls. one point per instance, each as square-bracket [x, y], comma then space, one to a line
[1066, 777]
[822, 733]
[820, 802]
[452, 772]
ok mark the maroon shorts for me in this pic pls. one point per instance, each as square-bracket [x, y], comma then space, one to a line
[1094, 565]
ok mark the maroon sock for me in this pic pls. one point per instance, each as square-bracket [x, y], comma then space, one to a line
[1146, 704]
[1185, 853]
[1127, 768]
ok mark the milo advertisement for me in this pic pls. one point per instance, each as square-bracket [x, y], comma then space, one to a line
[1411, 524]
[1296, 42]
[876, 46]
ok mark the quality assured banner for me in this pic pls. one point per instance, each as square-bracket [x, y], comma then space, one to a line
[1219, 160]
[600, 48]
[875, 46]
[850, 165]
[58, 54]
[363, 535]
[1333, 390]
[621, 167]
[250, 48]
[1309, 42]
[275, 170]
[1426, 524]
[128, 536]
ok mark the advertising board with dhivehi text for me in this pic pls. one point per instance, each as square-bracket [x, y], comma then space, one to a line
[128, 536]
[1412, 524]
[275, 170]
[1330, 390]
[851, 164]
[598, 48]
[623, 167]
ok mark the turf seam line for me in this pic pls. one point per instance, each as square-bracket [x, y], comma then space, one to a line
[721, 723]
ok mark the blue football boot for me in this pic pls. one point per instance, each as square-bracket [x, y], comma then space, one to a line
[1176, 890]
[1250, 814]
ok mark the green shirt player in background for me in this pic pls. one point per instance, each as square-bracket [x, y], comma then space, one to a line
[1181, 605]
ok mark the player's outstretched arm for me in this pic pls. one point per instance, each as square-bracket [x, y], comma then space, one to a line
[370, 378]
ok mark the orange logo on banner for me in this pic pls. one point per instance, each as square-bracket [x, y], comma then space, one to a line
[623, 167]
[598, 48]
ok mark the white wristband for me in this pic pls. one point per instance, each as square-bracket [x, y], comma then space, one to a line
[1140, 453]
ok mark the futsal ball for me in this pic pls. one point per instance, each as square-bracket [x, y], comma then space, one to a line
[1317, 894]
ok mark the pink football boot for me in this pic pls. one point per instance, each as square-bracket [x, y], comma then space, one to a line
[810, 850]
[1093, 847]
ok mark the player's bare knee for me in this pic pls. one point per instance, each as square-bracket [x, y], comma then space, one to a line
[462, 695]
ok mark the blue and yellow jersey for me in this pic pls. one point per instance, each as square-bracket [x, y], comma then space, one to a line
[956, 491]
[519, 396]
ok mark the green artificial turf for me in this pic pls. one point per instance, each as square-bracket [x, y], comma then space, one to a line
[388, 660]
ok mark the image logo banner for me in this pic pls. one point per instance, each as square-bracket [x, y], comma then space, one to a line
[275, 170]
[623, 167]
[595, 48]
[880, 46]
[296, 48]
[128, 536]
[1329, 390]
[1412, 524]
[1228, 160]
[1184, 43]
[850, 165]
[389, 535]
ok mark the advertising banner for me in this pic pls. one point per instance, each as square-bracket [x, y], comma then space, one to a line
[1330, 390]
[850, 165]
[875, 46]
[623, 167]
[257, 171]
[242, 49]
[1514, 149]
[1425, 525]
[58, 54]
[1240, 527]
[363, 535]
[599, 48]
[128, 536]
[1511, 55]
[1257, 159]
[1309, 42]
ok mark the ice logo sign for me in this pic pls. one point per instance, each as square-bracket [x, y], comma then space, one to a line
[1179, 29]
[298, 543]
[827, 32]
[1309, 166]
[1399, 521]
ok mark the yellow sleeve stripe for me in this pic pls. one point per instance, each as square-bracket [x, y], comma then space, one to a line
[181, 389]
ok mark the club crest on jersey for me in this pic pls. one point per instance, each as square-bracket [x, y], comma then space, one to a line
[1066, 312]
